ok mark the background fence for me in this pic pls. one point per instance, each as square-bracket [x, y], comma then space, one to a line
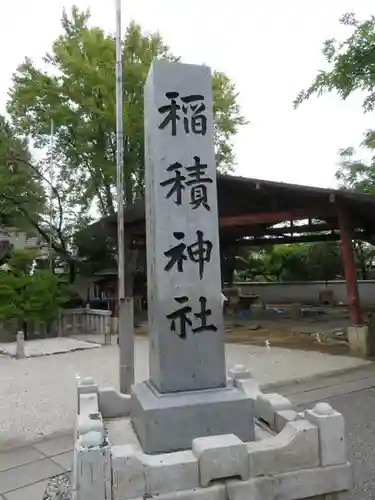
[92, 324]
[306, 292]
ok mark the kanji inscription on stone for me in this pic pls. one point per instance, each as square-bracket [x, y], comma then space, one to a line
[183, 257]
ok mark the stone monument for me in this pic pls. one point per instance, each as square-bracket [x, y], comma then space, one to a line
[186, 395]
[193, 431]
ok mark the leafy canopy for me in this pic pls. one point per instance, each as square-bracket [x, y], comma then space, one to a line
[21, 192]
[292, 262]
[27, 293]
[351, 68]
[77, 92]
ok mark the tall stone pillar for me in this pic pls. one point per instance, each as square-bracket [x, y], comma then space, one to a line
[186, 396]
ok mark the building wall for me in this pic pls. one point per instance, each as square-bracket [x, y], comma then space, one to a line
[306, 292]
[272, 293]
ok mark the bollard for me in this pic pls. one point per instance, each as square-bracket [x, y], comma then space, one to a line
[107, 335]
[20, 349]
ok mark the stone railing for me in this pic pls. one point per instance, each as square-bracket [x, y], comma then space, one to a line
[86, 322]
[295, 455]
[35, 330]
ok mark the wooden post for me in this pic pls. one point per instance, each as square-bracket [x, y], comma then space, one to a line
[349, 267]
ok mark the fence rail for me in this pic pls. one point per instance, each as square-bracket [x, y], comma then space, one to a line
[85, 322]
[94, 323]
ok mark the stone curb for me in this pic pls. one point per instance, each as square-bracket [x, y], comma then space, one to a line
[313, 378]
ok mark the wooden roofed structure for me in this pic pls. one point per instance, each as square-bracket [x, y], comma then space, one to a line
[255, 212]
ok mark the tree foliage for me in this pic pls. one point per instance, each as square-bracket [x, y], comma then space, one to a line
[352, 64]
[351, 68]
[77, 92]
[293, 262]
[22, 194]
[29, 294]
[24, 185]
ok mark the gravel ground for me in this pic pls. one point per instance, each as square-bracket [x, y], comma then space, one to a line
[59, 488]
[37, 395]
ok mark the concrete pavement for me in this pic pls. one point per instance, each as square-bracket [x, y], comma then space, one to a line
[24, 471]
[37, 395]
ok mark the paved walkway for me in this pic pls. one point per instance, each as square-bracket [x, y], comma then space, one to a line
[37, 395]
[24, 471]
[37, 399]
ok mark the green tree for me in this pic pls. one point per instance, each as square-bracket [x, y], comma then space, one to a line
[323, 260]
[28, 294]
[351, 68]
[22, 194]
[77, 92]
[287, 262]
[292, 262]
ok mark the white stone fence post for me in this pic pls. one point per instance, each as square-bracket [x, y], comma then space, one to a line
[86, 322]
[20, 347]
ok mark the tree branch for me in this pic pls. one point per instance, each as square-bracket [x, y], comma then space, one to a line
[58, 228]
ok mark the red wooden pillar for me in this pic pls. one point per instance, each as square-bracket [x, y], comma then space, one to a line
[350, 270]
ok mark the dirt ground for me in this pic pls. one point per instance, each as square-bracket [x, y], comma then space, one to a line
[321, 329]
[318, 329]
[289, 338]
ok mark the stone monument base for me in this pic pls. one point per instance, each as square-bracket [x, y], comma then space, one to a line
[295, 456]
[170, 422]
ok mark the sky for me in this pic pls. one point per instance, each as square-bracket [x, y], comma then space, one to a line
[270, 49]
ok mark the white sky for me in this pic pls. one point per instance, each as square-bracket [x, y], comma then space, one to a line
[270, 49]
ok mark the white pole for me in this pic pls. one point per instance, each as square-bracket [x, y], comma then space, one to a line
[51, 198]
[125, 304]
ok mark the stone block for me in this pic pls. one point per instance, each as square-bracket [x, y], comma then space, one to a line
[88, 404]
[113, 404]
[266, 405]
[296, 485]
[169, 422]
[86, 385]
[221, 457]
[92, 473]
[249, 386]
[295, 447]
[128, 473]
[239, 372]
[282, 417]
[331, 427]
[358, 337]
[171, 472]
[89, 423]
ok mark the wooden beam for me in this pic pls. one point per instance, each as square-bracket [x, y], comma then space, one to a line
[305, 228]
[269, 217]
[260, 242]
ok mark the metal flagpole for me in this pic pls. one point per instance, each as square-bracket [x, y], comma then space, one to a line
[125, 304]
[51, 198]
